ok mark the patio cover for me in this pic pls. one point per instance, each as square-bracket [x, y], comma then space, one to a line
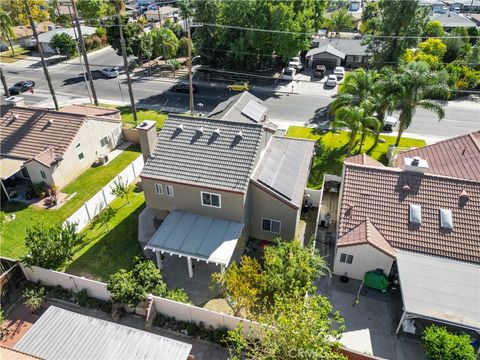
[199, 237]
[9, 167]
[440, 289]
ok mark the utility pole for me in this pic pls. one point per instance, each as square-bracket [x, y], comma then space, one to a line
[40, 50]
[125, 64]
[4, 83]
[84, 52]
[190, 85]
[159, 16]
[80, 57]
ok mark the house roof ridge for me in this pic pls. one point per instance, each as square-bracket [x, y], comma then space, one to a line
[212, 120]
[294, 138]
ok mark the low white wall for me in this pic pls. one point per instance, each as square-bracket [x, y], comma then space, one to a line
[101, 199]
[315, 196]
[47, 277]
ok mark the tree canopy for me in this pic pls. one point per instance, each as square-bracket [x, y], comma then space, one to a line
[131, 31]
[93, 10]
[439, 344]
[64, 44]
[165, 43]
[38, 8]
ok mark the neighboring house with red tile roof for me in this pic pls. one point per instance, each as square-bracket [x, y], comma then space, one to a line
[95, 111]
[420, 207]
[53, 146]
[363, 159]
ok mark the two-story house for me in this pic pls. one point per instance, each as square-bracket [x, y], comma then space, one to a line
[215, 183]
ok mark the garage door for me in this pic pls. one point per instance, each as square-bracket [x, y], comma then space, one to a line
[329, 63]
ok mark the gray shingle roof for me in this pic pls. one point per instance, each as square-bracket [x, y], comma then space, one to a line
[451, 20]
[47, 36]
[328, 48]
[346, 46]
[187, 156]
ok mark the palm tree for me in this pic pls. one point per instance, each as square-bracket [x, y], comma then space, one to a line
[349, 117]
[340, 20]
[357, 87]
[4, 83]
[370, 124]
[6, 28]
[414, 87]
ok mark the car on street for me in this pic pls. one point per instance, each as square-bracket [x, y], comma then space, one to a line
[184, 87]
[296, 64]
[21, 87]
[331, 80]
[389, 123]
[111, 72]
[320, 71]
[339, 72]
[289, 73]
[239, 86]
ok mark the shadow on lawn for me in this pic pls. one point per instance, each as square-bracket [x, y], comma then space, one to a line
[326, 161]
[112, 250]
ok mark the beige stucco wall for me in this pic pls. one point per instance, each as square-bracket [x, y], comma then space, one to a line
[34, 169]
[365, 258]
[131, 135]
[265, 205]
[88, 137]
[188, 198]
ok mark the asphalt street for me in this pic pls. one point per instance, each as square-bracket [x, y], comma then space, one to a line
[309, 103]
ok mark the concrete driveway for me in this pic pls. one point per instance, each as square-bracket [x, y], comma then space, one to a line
[370, 324]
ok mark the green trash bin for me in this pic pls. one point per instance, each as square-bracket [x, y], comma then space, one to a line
[376, 280]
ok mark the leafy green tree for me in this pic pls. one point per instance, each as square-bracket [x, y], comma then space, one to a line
[439, 344]
[165, 43]
[183, 47]
[414, 87]
[38, 8]
[458, 45]
[296, 328]
[142, 47]
[433, 29]
[121, 189]
[6, 28]
[34, 298]
[340, 20]
[64, 44]
[93, 10]
[176, 28]
[434, 47]
[370, 18]
[104, 217]
[51, 246]
[401, 25]
[186, 8]
[130, 32]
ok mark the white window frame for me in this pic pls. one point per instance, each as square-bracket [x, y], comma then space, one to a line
[346, 257]
[158, 189]
[209, 205]
[106, 139]
[271, 221]
[169, 190]
[44, 176]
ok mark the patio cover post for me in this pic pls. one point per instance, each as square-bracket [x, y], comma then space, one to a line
[190, 267]
[222, 269]
[401, 322]
[159, 259]
[4, 189]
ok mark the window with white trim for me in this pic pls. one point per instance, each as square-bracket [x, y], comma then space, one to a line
[272, 226]
[169, 190]
[211, 199]
[345, 258]
[44, 176]
[158, 189]
[104, 141]
[81, 156]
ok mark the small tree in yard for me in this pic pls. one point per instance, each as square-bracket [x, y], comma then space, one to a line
[120, 189]
[439, 344]
[64, 44]
[51, 246]
[34, 298]
[105, 216]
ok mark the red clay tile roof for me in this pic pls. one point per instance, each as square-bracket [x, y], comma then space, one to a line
[363, 159]
[457, 157]
[47, 157]
[367, 233]
[377, 194]
[101, 112]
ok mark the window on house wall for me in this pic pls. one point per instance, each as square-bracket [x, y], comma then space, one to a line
[104, 141]
[158, 189]
[81, 156]
[345, 258]
[169, 190]
[44, 176]
[210, 199]
[25, 173]
[78, 145]
[272, 226]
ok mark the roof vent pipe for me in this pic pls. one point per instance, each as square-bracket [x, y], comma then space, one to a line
[15, 117]
[239, 134]
[200, 130]
[216, 132]
[50, 122]
[180, 127]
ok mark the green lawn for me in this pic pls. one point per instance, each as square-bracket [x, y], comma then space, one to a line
[332, 148]
[13, 232]
[142, 114]
[8, 57]
[105, 251]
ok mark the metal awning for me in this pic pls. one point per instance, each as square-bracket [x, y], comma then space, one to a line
[439, 289]
[195, 236]
[9, 167]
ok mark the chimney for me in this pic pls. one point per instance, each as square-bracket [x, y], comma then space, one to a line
[416, 164]
[147, 132]
[15, 101]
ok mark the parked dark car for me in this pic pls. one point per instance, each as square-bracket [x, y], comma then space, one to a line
[21, 87]
[320, 71]
[184, 87]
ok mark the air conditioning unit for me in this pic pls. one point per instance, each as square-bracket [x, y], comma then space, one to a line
[102, 159]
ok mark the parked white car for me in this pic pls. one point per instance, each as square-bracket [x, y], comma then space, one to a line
[389, 123]
[289, 73]
[296, 64]
[110, 72]
[331, 80]
[339, 72]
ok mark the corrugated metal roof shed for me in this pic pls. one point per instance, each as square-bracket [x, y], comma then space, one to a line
[62, 334]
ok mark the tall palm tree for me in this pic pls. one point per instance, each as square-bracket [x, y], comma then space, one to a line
[356, 88]
[4, 83]
[370, 123]
[415, 86]
[349, 117]
[6, 28]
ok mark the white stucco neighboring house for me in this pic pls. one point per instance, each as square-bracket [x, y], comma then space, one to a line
[44, 39]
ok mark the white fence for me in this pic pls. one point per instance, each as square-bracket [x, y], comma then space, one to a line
[96, 289]
[314, 196]
[104, 197]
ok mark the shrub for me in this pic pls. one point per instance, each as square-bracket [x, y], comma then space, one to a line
[64, 44]
[39, 189]
[93, 42]
[439, 344]
[34, 298]
[175, 63]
